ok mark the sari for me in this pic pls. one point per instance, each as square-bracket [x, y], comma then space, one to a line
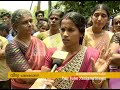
[53, 41]
[114, 83]
[99, 44]
[79, 62]
[41, 35]
[21, 58]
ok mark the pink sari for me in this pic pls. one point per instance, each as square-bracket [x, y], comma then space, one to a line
[36, 53]
[86, 67]
[83, 64]
[114, 83]
[35, 58]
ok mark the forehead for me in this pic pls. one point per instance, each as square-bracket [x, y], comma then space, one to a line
[25, 17]
[55, 15]
[5, 17]
[117, 17]
[67, 22]
[40, 14]
[45, 23]
[100, 11]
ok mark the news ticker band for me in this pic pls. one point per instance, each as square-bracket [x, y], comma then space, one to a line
[65, 75]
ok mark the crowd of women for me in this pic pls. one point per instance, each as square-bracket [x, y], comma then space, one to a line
[90, 49]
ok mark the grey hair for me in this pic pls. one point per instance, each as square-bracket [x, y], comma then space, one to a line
[16, 16]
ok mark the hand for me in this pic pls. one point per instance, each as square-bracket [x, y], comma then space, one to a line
[38, 84]
[115, 59]
[30, 80]
[30, 70]
[103, 61]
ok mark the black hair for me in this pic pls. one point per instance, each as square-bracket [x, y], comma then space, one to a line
[36, 13]
[56, 11]
[5, 14]
[89, 22]
[101, 6]
[5, 27]
[45, 19]
[78, 20]
[40, 24]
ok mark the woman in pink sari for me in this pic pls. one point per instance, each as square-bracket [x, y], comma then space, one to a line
[114, 83]
[79, 58]
[25, 52]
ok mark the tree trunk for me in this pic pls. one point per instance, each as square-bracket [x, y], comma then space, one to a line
[49, 6]
[31, 5]
[38, 5]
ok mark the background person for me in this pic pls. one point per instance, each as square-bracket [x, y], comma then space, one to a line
[53, 37]
[39, 16]
[4, 31]
[114, 83]
[6, 17]
[116, 23]
[97, 36]
[4, 69]
[42, 27]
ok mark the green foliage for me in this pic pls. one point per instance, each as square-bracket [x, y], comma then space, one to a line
[113, 6]
[85, 7]
[3, 10]
[46, 13]
[33, 13]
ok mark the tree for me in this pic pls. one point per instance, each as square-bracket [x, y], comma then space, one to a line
[38, 5]
[85, 7]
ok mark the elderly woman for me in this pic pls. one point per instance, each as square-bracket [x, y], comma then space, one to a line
[25, 52]
[115, 63]
[115, 47]
[116, 23]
